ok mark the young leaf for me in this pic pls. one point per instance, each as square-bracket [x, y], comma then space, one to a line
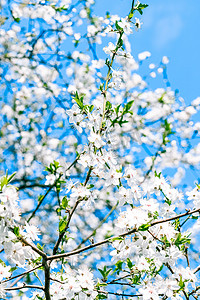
[62, 225]
[144, 227]
[11, 177]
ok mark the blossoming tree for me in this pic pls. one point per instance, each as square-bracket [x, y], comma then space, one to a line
[95, 200]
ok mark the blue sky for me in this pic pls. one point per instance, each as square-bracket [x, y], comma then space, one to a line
[170, 28]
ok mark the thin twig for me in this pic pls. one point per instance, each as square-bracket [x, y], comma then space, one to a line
[25, 287]
[100, 224]
[40, 202]
[34, 248]
[22, 274]
[119, 294]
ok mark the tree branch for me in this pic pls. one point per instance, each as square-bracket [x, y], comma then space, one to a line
[100, 224]
[46, 266]
[25, 287]
[109, 240]
[22, 274]
[34, 248]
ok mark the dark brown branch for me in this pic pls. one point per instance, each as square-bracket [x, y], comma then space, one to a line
[133, 4]
[39, 203]
[119, 294]
[46, 266]
[25, 287]
[88, 176]
[56, 280]
[194, 291]
[73, 163]
[109, 240]
[197, 269]
[30, 186]
[117, 279]
[34, 248]
[189, 212]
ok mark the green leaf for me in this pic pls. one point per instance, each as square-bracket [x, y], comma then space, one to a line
[11, 177]
[128, 105]
[141, 7]
[28, 278]
[16, 231]
[40, 247]
[107, 15]
[3, 181]
[105, 272]
[117, 109]
[62, 225]
[102, 272]
[17, 20]
[13, 269]
[101, 296]
[121, 122]
[65, 202]
[181, 240]
[100, 283]
[101, 87]
[169, 202]
[136, 279]
[79, 100]
[165, 241]
[90, 186]
[37, 260]
[108, 271]
[59, 9]
[53, 167]
[157, 174]
[40, 298]
[56, 164]
[198, 185]
[168, 131]
[118, 267]
[131, 14]
[120, 43]
[107, 63]
[144, 227]
[48, 169]
[117, 26]
[129, 263]
[181, 283]
[91, 107]
[108, 105]
[40, 198]
[117, 239]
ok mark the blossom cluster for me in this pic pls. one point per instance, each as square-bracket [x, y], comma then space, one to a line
[103, 207]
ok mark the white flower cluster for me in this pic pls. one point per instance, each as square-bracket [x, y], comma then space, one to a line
[72, 285]
[15, 251]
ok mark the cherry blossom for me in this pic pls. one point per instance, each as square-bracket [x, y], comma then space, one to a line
[96, 195]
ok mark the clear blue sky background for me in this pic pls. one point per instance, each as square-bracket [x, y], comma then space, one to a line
[171, 28]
